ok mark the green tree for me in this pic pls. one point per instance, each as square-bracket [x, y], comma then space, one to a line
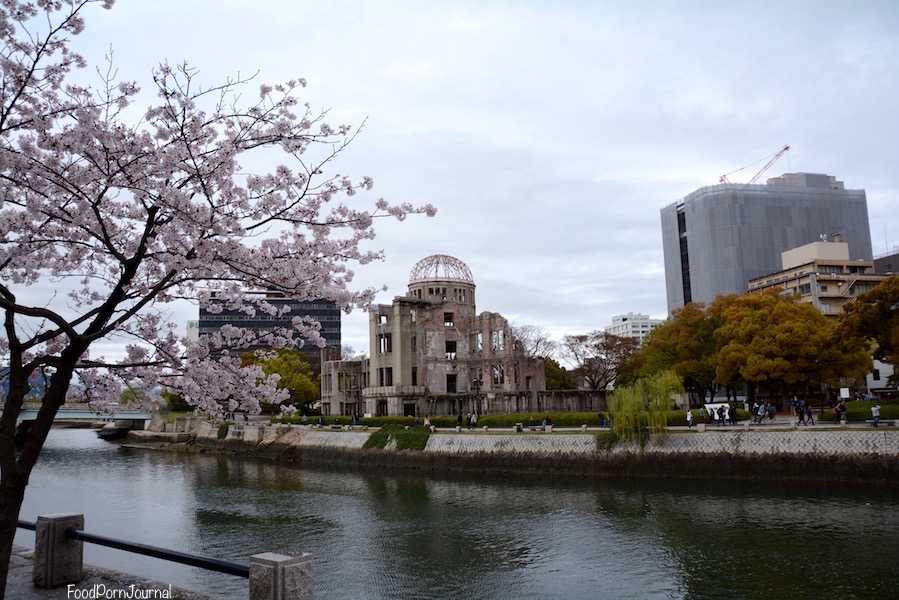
[557, 376]
[874, 316]
[132, 395]
[295, 373]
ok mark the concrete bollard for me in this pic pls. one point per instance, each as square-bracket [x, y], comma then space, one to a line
[549, 429]
[57, 559]
[485, 429]
[700, 427]
[280, 577]
[584, 428]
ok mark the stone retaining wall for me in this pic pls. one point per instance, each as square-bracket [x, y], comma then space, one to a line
[852, 455]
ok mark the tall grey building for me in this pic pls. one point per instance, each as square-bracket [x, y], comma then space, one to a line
[719, 237]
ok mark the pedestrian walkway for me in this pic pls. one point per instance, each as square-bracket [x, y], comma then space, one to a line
[19, 583]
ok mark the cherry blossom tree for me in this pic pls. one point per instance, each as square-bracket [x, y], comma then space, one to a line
[109, 214]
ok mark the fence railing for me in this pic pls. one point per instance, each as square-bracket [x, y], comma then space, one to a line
[58, 560]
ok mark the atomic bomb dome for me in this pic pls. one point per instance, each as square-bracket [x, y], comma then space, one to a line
[440, 267]
[431, 353]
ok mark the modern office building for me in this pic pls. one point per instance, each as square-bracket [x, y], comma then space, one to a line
[719, 237]
[325, 312]
[632, 326]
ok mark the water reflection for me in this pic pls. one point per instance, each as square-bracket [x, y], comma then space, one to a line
[421, 535]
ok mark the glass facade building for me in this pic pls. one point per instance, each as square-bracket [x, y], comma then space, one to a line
[325, 312]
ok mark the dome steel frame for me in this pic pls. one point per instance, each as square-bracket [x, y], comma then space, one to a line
[440, 267]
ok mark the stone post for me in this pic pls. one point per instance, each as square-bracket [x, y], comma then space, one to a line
[281, 577]
[57, 559]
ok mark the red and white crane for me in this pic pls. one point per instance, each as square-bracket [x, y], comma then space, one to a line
[773, 159]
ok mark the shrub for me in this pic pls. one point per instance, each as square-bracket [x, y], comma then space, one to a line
[223, 430]
[411, 439]
[377, 439]
[414, 438]
[859, 410]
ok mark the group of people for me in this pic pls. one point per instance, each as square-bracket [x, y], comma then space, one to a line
[724, 414]
[803, 410]
[763, 411]
[471, 420]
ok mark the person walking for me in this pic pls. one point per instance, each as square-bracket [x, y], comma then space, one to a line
[875, 412]
[839, 412]
[689, 419]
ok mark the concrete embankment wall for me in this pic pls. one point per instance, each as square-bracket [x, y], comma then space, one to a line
[846, 455]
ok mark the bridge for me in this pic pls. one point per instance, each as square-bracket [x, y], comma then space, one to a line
[85, 414]
[119, 421]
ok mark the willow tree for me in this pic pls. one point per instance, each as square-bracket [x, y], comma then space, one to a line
[641, 408]
[105, 220]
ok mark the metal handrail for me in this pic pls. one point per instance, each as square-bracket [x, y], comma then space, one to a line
[184, 558]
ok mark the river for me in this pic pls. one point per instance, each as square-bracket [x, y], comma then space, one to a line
[378, 535]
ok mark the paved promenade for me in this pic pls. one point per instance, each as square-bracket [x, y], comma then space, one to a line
[19, 584]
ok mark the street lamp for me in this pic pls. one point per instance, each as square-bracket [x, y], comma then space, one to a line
[820, 371]
[476, 383]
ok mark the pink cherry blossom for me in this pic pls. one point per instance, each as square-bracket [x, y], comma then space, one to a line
[104, 221]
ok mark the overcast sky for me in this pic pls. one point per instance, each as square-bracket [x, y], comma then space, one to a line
[550, 134]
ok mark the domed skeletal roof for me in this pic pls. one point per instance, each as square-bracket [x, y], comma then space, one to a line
[441, 267]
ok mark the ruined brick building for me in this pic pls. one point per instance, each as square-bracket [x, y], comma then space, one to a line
[431, 353]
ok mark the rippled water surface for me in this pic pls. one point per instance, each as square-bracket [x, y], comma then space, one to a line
[421, 535]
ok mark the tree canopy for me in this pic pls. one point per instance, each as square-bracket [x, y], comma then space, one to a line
[874, 316]
[533, 340]
[684, 345]
[294, 374]
[557, 376]
[597, 356]
[783, 344]
[769, 340]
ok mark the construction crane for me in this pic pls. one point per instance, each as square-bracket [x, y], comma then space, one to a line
[773, 159]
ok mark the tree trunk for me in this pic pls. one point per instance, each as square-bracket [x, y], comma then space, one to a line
[15, 474]
[12, 493]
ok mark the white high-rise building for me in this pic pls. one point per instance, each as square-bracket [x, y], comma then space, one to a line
[633, 326]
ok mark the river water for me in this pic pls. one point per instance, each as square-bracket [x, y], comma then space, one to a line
[424, 535]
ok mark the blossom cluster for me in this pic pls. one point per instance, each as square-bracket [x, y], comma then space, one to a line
[104, 221]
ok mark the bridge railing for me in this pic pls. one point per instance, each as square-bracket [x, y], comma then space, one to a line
[58, 560]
